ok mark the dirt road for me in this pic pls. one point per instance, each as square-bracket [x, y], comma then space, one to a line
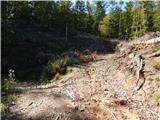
[101, 90]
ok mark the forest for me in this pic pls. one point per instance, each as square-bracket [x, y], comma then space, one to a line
[42, 41]
[41, 26]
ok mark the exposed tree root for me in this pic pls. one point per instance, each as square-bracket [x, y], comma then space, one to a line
[137, 67]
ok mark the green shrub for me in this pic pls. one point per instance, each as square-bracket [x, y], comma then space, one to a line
[4, 108]
[8, 90]
[157, 65]
[58, 66]
[9, 83]
[7, 100]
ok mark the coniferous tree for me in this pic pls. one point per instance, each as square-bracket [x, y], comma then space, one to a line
[128, 20]
[99, 14]
[156, 18]
[150, 7]
[104, 26]
[80, 15]
[114, 22]
[90, 20]
[139, 26]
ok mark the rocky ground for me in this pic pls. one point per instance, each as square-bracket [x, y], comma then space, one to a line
[100, 90]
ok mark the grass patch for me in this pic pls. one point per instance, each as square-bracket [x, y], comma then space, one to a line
[157, 65]
[157, 100]
[157, 79]
[155, 47]
[7, 101]
[58, 66]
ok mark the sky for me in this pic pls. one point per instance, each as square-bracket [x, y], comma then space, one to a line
[107, 10]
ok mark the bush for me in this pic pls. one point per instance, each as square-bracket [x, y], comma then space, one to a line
[4, 108]
[8, 90]
[7, 101]
[9, 83]
[58, 66]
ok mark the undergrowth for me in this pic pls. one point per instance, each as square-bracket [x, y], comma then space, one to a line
[8, 84]
[8, 91]
[58, 66]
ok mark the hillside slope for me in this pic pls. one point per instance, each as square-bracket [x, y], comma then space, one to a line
[101, 90]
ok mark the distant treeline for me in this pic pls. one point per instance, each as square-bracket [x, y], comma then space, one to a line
[135, 19]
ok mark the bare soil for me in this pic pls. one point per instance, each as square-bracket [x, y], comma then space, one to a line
[101, 90]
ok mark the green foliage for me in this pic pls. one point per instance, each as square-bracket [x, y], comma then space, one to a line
[7, 101]
[156, 19]
[141, 15]
[8, 91]
[80, 16]
[58, 66]
[89, 17]
[109, 26]
[9, 83]
[4, 108]
[104, 27]
[50, 27]
[99, 14]
[128, 20]
[139, 20]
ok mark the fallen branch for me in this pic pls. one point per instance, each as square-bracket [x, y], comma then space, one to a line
[70, 95]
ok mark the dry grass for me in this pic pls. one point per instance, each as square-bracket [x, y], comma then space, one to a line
[157, 65]
[58, 67]
[157, 100]
[7, 101]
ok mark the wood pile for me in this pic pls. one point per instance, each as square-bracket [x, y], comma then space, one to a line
[125, 50]
[136, 63]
